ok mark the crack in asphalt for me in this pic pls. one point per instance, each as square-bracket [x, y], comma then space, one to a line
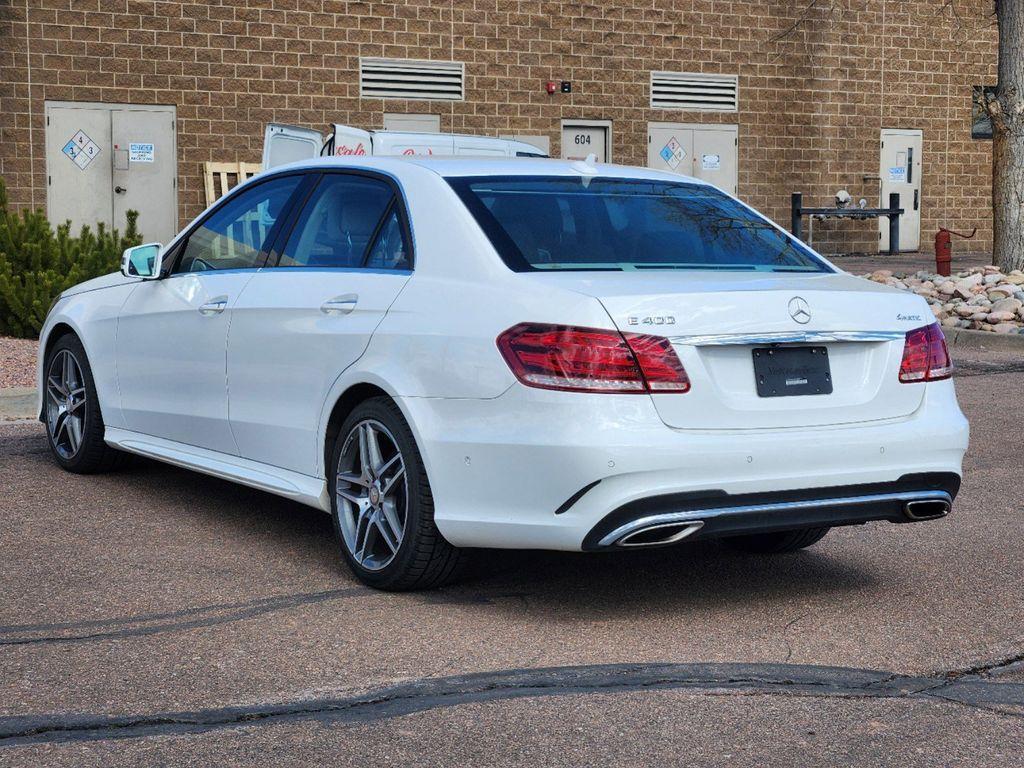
[989, 668]
[1005, 699]
[224, 613]
[970, 368]
[166, 621]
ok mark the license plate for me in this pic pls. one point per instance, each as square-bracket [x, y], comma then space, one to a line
[784, 371]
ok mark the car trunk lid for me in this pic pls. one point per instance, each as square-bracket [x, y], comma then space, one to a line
[716, 322]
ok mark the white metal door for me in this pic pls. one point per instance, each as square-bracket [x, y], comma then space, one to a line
[583, 138]
[704, 152]
[900, 170]
[670, 147]
[104, 159]
[78, 165]
[144, 173]
[714, 156]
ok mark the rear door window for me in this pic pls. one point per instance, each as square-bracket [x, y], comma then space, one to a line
[391, 248]
[338, 223]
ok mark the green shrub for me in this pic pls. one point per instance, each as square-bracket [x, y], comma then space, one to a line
[37, 263]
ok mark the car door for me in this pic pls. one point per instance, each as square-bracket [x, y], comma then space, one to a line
[310, 314]
[172, 333]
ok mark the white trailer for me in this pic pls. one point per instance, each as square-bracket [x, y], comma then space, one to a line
[284, 144]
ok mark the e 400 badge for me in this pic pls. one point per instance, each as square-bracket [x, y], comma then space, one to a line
[652, 320]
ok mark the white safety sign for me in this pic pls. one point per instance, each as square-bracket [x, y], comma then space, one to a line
[140, 153]
[81, 150]
[710, 162]
[898, 173]
[673, 153]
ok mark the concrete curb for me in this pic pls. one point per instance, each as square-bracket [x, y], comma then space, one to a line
[968, 339]
[17, 403]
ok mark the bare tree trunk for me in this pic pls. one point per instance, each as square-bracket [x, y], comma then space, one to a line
[1006, 108]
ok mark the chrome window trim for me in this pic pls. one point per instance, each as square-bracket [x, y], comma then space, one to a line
[787, 337]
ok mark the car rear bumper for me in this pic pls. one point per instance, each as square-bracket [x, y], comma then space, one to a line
[661, 520]
[536, 469]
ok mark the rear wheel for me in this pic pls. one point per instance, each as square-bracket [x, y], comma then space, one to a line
[777, 542]
[74, 422]
[382, 506]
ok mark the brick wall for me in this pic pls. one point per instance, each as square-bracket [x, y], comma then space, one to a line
[811, 104]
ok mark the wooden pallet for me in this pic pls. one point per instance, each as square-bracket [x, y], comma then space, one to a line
[220, 177]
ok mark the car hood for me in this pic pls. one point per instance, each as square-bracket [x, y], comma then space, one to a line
[104, 281]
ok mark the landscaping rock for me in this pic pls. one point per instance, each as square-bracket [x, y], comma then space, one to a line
[1007, 305]
[982, 298]
[1000, 317]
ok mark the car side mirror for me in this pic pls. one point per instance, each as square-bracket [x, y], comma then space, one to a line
[142, 261]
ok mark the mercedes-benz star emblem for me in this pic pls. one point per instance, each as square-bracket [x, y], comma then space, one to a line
[799, 310]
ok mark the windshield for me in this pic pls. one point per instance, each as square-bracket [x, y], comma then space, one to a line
[560, 223]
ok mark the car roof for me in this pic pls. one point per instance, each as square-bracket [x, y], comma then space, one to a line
[488, 166]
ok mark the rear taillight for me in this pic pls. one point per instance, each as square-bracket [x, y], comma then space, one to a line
[576, 359]
[925, 357]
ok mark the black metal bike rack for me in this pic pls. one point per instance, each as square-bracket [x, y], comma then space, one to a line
[893, 212]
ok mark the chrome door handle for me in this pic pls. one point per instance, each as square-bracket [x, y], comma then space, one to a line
[120, 190]
[214, 306]
[340, 305]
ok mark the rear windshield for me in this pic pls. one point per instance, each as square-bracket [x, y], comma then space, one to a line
[561, 223]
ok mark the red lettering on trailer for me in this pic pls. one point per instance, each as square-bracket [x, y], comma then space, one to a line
[346, 150]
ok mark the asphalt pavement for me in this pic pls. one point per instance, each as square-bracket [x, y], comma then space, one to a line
[158, 617]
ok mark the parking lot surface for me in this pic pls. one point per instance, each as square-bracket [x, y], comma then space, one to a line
[158, 617]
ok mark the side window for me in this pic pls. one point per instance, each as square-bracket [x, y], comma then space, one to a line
[390, 250]
[337, 222]
[233, 236]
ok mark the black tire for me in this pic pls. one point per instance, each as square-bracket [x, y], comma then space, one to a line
[777, 542]
[423, 559]
[90, 454]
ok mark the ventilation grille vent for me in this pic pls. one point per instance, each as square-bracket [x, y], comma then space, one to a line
[411, 79]
[694, 92]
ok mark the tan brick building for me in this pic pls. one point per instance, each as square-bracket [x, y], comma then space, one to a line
[809, 108]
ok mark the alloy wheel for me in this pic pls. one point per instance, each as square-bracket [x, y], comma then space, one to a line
[66, 403]
[372, 495]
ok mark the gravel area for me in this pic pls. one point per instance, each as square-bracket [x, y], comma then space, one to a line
[980, 299]
[17, 362]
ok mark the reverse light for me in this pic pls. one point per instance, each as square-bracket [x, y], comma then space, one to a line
[925, 356]
[574, 359]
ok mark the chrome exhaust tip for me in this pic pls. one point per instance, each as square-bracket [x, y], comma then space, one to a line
[659, 535]
[926, 509]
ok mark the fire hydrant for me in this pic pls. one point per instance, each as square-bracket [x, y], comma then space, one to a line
[944, 248]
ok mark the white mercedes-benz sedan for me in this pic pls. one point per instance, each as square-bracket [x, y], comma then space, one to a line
[456, 353]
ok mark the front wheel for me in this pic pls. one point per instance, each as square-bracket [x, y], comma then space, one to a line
[777, 542]
[74, 422]
[382, 506]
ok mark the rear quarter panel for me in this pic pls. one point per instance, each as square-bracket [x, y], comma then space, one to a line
[439, 337]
